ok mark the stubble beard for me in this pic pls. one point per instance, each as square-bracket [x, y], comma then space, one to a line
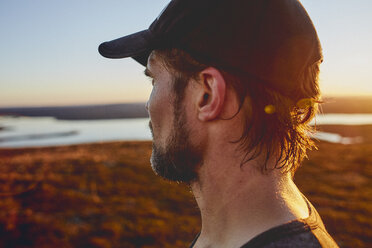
[178, 160]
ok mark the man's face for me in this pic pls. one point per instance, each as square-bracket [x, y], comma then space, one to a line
[173, 155]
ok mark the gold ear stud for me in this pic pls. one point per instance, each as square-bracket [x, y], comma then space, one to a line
[270, 109]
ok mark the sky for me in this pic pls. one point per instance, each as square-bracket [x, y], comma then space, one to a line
[48, 50]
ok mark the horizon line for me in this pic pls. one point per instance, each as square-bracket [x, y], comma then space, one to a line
[57, 105]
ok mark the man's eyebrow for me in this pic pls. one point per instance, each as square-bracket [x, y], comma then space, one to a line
[148, 73]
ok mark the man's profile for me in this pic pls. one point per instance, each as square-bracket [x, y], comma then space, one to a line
[235, 84]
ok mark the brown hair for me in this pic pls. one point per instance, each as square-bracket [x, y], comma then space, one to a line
[278, 124]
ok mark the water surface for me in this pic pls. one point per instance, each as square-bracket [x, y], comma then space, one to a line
[47, 131]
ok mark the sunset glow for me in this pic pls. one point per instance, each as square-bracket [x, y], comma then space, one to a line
[49, 50]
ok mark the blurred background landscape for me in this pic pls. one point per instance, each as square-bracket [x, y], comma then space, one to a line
[75, 142]
[104, 194]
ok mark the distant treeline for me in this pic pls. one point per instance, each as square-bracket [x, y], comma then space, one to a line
[87, 112]
[347, 105]
[138, 110]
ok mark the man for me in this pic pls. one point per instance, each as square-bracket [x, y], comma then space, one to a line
[235, 83]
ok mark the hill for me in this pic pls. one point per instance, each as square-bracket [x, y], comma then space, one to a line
[84, 112]
[347, 105]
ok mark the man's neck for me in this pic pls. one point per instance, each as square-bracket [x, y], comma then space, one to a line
[238, 203]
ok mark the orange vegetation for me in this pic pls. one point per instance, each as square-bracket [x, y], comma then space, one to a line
[106, 195]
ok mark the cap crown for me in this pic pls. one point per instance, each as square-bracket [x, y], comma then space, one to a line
[271, 40]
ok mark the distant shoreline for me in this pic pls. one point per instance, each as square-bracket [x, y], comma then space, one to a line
[83, 112]
[346, 105]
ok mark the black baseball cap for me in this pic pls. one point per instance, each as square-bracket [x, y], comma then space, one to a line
[271, 40]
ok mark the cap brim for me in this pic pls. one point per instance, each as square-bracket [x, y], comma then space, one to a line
[137, 45]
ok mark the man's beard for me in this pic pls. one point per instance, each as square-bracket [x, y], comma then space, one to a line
[179, 159]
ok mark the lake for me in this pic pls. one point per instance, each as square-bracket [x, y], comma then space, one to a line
[47, 131]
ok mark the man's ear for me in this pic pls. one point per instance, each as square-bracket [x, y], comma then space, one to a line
[212, 97]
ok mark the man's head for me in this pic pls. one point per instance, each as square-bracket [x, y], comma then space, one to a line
[186, 108]
[266, 51]
[274, 126]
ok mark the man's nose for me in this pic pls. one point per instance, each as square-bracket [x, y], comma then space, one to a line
[147, 106]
